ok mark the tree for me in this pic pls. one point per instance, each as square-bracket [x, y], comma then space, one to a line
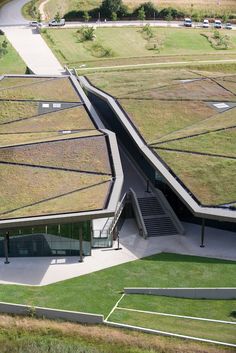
[86, 16]
[109, 6]
[141, 14]
[39, 17]
[3, 48]
[57, 17]
[149, 9]
[114, 16]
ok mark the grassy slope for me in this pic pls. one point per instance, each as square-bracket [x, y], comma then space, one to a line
[210, 179]
[99, 291]
[211, 6]
[29, 335]
[129, 43]
[11, 63]
[215, 331]
[222, 142]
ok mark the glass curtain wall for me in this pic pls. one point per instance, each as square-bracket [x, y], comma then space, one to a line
[47, 240]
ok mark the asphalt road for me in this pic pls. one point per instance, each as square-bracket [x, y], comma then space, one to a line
[10, 13]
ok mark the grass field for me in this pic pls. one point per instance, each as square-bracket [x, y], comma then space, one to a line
[99, 291]
[195, 328]
[11, 63]
[28, 335]
[129, 43]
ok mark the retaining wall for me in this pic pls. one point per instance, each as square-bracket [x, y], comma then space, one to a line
[194, 293]
[40, 312]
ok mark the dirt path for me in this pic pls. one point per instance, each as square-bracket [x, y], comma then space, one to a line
[41, 10]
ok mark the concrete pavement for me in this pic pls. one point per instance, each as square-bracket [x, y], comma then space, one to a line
[33, 50]
[42, 271]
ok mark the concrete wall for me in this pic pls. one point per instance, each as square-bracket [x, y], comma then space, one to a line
[194, 293]
[75, 316]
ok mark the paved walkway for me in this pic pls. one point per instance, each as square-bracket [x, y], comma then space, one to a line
[33, 50]
[43, 271]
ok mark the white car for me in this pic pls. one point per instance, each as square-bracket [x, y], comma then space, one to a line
[217, 24]
[228, 26]
[205, 24]
[188, 22]
[55, 23]
[35, 24]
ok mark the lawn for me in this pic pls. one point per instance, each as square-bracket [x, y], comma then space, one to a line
[129, 43]
[207, 308]
[10, 111]
[195, 328]
[11, 63]
[99, 291]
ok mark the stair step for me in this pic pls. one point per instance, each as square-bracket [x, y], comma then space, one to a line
[160, 226]
[150, 206]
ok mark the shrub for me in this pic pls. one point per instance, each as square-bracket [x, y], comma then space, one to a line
[86, 33]
[149, 9]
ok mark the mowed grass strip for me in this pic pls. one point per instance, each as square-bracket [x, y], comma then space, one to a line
[59, 89]
[10, 111]
[210, 179]
[207, 308]
[195, 328]
[99, 291]
[88, 154]
[66, 119]
[221, 142]
[11, 63]
[155, 118]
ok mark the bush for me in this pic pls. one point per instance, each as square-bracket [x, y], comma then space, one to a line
[149, 9]
[86, 33]
[170, 11]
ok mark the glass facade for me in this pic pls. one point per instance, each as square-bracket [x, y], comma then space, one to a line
[47, 240]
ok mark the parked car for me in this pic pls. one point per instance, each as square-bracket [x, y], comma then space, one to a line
[205, 24]
[188, 22]
[228, 26]
[35, 24]
[217, 24]
[55, 23]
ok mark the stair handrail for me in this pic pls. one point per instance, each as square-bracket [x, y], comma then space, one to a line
[119, 209]
[169, 210]
[138, 214]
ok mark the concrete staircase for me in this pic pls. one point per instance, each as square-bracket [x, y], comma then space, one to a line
[158, 217]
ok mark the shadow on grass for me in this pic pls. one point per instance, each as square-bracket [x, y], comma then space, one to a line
[169, 257]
